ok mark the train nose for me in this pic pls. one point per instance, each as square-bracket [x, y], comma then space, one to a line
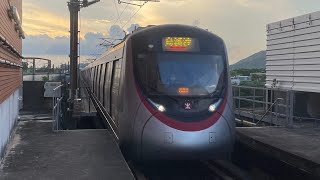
[160, 141]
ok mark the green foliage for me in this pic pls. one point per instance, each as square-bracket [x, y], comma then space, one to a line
[258, 77]
[252, 83]
[246, 72]
[45, 78]
[24, 66]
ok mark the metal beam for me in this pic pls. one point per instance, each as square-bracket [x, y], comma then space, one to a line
[74, 8]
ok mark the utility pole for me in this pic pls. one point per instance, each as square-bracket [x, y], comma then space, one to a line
[74, 8]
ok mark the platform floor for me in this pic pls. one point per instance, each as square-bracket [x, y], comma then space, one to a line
[37, 153]
[298, 147]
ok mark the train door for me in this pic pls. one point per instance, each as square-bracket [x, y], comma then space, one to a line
[102, 81]
[107, 93]
[115, 89]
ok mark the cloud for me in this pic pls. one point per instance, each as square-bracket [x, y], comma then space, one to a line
[90, 44]
[38, 21]
[116, 32]
[241, 23]
[133, 27]
[102, 21]
[250, 3]
[44, 44]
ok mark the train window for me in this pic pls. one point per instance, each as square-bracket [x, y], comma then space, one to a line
[91, 78]
[115, 89]
[107, 86]
[96, 81]
[87, 77]
[181, 74]
[99, 81]
[102, 80]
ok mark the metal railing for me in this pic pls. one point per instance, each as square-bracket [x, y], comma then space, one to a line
[276, 102]
[56, 107]
[256, 106]
[262, 105]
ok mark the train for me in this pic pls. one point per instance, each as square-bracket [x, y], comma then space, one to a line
[165, 93]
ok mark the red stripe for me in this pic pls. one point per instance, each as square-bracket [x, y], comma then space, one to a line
[184, 126]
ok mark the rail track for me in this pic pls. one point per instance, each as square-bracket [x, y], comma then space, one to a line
[187, 170]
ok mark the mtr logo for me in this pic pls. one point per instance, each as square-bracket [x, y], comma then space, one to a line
[187, 105]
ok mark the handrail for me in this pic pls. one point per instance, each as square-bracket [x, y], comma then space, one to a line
[265, 114]
[257, 101]
[249, 87]
[56, 88]
[56, 108]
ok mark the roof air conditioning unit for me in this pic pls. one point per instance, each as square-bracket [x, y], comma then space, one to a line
[14, 14]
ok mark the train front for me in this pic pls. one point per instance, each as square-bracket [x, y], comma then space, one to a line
[182, 80]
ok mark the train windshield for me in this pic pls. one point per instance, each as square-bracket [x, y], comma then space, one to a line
[181, 74]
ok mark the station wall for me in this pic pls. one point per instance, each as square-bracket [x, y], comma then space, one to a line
[293, 53]
[10, 67]
[9, 110]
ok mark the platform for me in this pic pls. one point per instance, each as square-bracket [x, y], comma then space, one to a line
[298, 147]
[37, 153]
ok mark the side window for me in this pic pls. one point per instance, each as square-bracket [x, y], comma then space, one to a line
[94, 79]
[99, 81]
[96, 85]
[102, 80]
[115, 89]
[87, 76]
[108, 86]
[91, 79]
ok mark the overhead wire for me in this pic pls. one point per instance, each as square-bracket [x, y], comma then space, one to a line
[134, 15]
[114, 2]
[119, 18]
[115, 21]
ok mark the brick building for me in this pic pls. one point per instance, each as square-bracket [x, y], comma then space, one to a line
[11, 35]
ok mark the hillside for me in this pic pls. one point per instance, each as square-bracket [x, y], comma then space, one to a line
[255, 61]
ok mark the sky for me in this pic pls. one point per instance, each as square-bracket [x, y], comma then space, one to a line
[241, 23]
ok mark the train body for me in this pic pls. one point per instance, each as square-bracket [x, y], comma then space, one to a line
[165, 92]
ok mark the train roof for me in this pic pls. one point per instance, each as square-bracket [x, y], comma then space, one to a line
[151, 29]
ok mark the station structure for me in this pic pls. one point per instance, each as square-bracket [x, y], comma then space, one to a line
[34, 145]
[11, 35]
[286, 111]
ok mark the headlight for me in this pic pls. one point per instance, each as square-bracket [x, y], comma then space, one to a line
[214, 107]
[160, 107]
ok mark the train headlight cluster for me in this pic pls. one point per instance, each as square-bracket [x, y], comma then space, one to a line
[214, 107]
[160, 107]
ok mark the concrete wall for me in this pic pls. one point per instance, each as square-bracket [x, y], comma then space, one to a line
[10, 70]
[9, 110]
[33, 99]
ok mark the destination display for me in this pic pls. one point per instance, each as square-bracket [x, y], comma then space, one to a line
[184, 44]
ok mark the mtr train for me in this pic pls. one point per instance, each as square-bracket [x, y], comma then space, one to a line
[165, 93]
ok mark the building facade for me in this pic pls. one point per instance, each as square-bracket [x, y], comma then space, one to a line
[293, 61]
[11, 35]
